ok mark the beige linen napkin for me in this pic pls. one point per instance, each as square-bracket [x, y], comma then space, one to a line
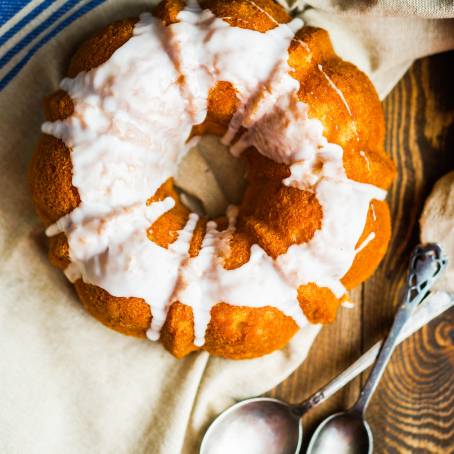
[67, 383]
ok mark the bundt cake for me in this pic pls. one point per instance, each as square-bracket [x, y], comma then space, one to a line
[312, 223]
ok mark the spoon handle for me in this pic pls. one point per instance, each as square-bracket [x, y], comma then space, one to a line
[426, 263]
[426, 312]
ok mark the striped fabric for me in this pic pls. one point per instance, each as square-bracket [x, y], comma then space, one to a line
[26, 25]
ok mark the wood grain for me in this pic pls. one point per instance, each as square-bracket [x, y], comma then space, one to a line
[413, 409]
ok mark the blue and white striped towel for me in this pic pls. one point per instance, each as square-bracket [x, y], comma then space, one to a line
[26, 26]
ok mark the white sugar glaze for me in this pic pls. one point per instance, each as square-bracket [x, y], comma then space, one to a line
[132, 117]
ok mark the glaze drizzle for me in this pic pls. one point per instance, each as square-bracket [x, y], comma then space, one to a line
[132, 117]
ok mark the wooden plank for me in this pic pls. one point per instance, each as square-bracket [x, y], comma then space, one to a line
[413, 410]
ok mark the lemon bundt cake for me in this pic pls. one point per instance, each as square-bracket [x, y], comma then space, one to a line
[312, 223]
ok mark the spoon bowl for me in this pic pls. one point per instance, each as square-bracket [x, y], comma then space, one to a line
[255, 426]
[342, 433]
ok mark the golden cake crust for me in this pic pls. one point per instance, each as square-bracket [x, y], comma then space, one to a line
[270, 212]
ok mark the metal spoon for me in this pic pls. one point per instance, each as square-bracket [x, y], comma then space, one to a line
[348, 432]
[269, 425]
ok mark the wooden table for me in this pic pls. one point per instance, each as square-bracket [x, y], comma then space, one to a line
[413, 408]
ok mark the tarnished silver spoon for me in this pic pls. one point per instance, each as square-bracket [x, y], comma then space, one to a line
[270, 425]
[348, 432]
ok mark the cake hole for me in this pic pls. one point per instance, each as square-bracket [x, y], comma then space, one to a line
[209, 178]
